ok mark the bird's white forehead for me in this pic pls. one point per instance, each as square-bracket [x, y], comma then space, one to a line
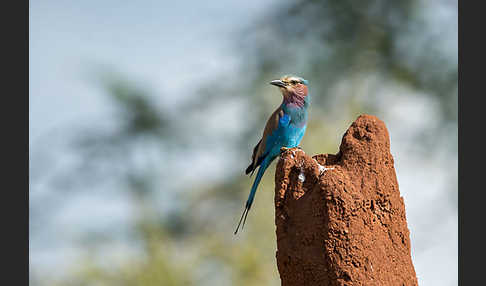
[289, 78]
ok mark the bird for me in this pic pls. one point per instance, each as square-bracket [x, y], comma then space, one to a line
[283, 130]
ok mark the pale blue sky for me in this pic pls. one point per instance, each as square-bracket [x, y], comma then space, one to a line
[155, 42]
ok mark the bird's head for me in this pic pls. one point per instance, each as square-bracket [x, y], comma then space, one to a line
[293, 88]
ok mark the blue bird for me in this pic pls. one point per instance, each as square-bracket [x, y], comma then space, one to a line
[284, 129]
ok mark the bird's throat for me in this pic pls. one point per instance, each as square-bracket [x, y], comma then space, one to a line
[295, 101]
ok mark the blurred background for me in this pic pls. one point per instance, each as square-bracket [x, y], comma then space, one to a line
[143, 116]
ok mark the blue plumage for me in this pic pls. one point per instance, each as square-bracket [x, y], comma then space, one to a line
[285, 128]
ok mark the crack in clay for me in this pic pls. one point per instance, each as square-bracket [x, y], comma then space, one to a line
[322, 169]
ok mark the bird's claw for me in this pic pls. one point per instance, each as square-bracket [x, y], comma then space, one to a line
[283, 149]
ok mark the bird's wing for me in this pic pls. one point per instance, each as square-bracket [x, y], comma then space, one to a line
[259, 151]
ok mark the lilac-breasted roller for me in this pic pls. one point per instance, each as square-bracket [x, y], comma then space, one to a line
[284, 129]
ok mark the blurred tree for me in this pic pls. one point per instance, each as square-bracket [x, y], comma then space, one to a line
[330, 43]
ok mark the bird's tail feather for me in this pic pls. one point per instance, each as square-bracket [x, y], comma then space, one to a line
[254, 187]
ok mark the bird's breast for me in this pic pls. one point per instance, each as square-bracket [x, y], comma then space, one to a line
[298, 118]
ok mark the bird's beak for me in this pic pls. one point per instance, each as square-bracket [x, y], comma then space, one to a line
[278, 83]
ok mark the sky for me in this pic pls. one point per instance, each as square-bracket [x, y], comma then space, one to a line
[67, 38]
[161, 45]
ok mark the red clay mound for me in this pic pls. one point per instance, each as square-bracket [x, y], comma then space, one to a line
[347, 225]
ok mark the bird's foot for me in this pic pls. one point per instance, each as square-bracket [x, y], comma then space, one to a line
[283, 149]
